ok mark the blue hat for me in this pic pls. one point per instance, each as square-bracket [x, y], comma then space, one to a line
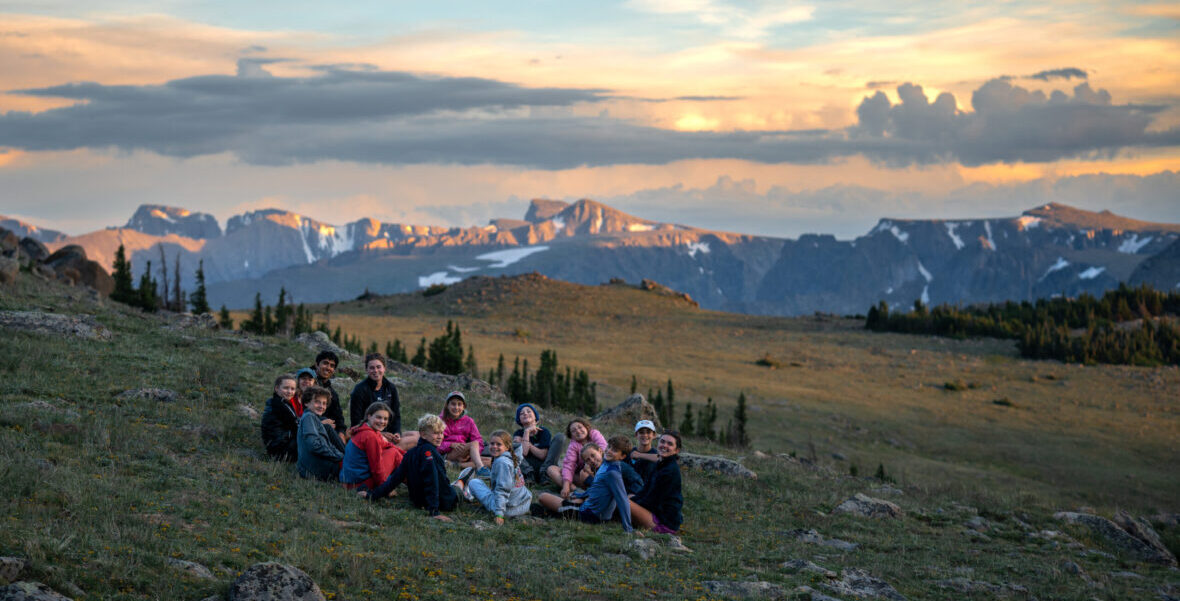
[530, 406]
[306, 370]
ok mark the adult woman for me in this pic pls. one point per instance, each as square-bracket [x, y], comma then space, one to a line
[658, 506]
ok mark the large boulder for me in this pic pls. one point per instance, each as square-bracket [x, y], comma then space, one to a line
[9, 269]
[80, 326]
[33, 249]
[629, 411]
[855, 582]
[869, 507]
[272, 581]
[713, 463]
[71, 264]
[11, 568]
[30, 591]
[9, 242]
[1136, 539]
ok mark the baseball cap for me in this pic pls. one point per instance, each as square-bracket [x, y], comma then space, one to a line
[645, 423]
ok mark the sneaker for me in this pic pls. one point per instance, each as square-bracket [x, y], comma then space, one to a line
[484, 472]
[465, 475]
[467, 494]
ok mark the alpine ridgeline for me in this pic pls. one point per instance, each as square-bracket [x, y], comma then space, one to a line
[1049, 250]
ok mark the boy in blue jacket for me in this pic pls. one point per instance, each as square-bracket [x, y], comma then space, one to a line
[607, 492]
[424, 471]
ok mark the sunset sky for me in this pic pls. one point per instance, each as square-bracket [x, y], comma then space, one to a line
[760, 117]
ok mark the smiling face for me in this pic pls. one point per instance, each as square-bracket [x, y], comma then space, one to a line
[325, 369]
[285, 389]
[579, 432]
[645, 436]
[318, 404]
[434, 437]
[496, 447]
[306, 381]
[375, 369]
[527, 417]
[667, 446]
[592, 457]
[378, 420]
[455, 407]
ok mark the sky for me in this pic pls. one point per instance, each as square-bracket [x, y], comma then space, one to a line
[771, 118]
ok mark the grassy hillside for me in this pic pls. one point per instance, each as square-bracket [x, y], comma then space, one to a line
[99, 492]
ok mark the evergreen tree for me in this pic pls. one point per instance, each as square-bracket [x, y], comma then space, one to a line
[256, 322]
[199, 300]
[268, 323]
[670, 406]
[687, 427]
[224, 320]
[372, 347]
[177, 292]
[124, 287]
[419, 359]
[738, 436]
[282, 313]
[634, 383]
[514, 388]
[148, 301]
[469, 364]
[302, 321]
[500, 371]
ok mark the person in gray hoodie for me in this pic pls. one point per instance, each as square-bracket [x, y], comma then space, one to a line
[508, 496]
[320, 449]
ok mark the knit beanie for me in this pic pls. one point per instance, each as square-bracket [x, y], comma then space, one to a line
[530, 406]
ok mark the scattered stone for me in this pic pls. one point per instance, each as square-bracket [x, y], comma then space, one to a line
[760, 455]
[343, 386]
[191, 568]
[248, 411]
[1166, 519]
[319, 341]
[859, 583]
[978, 524]
[481, 525]
[1127, 575]
[290, 362]
[633, 409]
[80, 326]
[815, 538]
[814, 595]
[11, 568]
[645, 547]
[839, 457]
[272, 581]
[802, 565]
[187, 321]
[866, 506]
[33, 249]
[71, 264]
[743, 589]
[162, 395]
[1148, 548]
[713, 463]
[997, 591]
[677, 545]
[30, 591]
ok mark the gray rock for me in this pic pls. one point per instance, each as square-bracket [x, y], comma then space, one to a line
[815, 538]
[978, 524]
[997, 591]
[743, 589]
[631, 410]
[646, 548]
[839, 457]
[677, 545]
[886, 490]
[70, 263]
[1141, 529]
[713, 463]
[272, 581]
[186, 321]
[9, 241]
[802, 565]
[859, 583]
[9, 270]
[30, 591]
[11, 568]
[191, 568]
[814, 595]
[248, 411]
[866, 506]
[318, 341]
[33, 249]
[79, 326]
[481, 525]
[1124, 541]
[162, 395]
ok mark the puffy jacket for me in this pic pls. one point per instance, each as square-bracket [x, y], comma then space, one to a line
[606, 495]
[425, 475]
[279, 429]
[368, 457]
[320, 449]
[661, 494]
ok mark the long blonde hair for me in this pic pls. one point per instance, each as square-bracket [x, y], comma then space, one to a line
[506, 439]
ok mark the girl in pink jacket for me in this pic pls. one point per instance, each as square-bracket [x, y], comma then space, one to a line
[461, 441]
[571, 473]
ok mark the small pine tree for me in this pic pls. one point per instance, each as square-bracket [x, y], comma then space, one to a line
[372, 347]
[224, 320]
[500, 371]
[148, 301]
[268, 322]
[124, 287]
[469, 365]
[199, 299]
[282, 313]
[687, 427]
[670, 405]
[739, 436]
[634, 383]
[419, 359]
[256, 321]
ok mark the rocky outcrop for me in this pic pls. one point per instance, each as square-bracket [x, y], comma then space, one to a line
[30, 591]
[191, 569]
[1132, 537]
[815, 538]
[274, 582]
[71, 266]
[79, 326]
[858, 583]
[994, 591]
[743, 589]
[713, 463]
[865, 506]
[629, 412]
[159, 220]
[11, 568]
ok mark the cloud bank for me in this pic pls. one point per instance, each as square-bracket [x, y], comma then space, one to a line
[367, 115]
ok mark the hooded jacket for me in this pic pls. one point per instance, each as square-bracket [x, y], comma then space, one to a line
[460, 430]
[509, 494]
[368, 458]
[279, 429]
[320, 449]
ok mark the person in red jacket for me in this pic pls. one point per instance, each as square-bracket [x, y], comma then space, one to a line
[369, 456]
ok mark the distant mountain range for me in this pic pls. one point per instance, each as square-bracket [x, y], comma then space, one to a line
[1049, 250]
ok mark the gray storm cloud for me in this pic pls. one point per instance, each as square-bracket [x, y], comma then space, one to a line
[361, 114]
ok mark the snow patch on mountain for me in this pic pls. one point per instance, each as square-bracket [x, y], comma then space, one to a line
[991, 244]
[504, 258]
[438, 277]
[558, 223]
[926, 274]
[900, 235]
[1091, 273]
[1134, 244]
[695, 247]
[926, 294]
[458, 269]
[639, 227]
[1028, 222]
[950, 231]
[1058, 266]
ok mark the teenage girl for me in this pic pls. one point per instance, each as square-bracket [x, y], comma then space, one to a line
[369, 456]
[570, 473]
[658, 506]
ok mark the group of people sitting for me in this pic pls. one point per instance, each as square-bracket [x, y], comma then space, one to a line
[597, 480]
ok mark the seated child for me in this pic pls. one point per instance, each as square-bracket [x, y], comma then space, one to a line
[461, 443]
[280, 421]
[509, 497]
[570, 474]
[369, 456]
[643, 458]
[532, 443]
[658, 506]
[424, 471]
[606, 494]
[320, 449]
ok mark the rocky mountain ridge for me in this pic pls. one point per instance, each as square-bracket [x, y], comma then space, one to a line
[1048, 250]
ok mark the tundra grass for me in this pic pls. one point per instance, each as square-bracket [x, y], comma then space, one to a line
[100, 492]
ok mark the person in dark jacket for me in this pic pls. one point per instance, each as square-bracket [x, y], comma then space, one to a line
[658, 506]
[378, 389]
[325, 368]
[280, 421]
[424, 471]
